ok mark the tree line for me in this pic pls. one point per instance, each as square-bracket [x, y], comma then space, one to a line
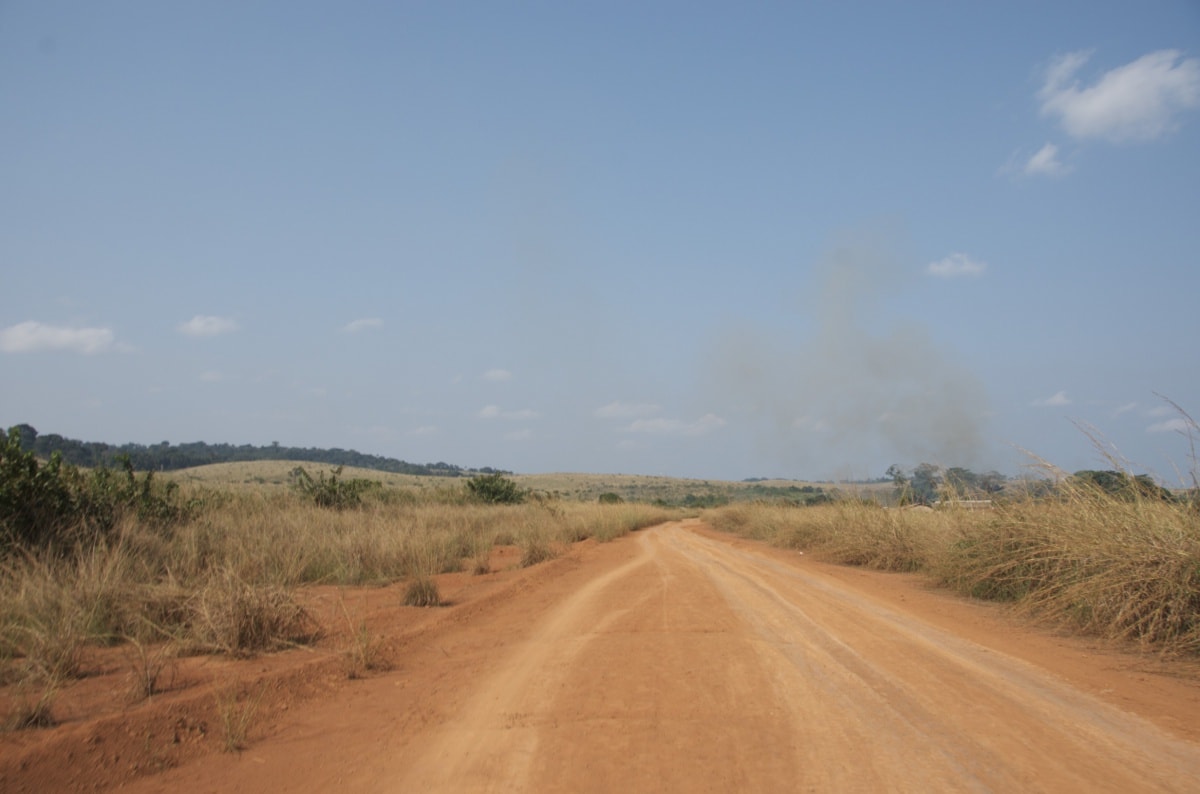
[926, 483]
[169, 457]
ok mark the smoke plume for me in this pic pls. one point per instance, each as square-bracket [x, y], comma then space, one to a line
[854, 391]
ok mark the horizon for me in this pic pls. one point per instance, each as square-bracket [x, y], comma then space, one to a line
[1039, 469]
[675, 240]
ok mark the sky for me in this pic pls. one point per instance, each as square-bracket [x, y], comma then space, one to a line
[711, 240]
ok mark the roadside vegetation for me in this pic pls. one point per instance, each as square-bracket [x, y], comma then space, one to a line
[1106, 553]
[112, 557]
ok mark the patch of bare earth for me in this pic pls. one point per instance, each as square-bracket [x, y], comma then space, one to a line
[673, 659]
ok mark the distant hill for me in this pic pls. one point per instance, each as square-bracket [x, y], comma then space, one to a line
[170, 457]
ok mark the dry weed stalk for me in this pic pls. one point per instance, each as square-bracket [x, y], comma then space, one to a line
[365, 652]
[236, 712]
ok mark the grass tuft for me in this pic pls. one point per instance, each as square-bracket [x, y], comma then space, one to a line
[422, 591]
[236, 712]
[235, 617]
[32, 712]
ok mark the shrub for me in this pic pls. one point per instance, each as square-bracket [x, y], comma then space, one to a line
[610, 498]
[37, 506]
[495, 489]
[334, 492]
[56, 506]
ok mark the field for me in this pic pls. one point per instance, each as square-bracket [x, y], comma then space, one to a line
[169, 642]
[564, 486]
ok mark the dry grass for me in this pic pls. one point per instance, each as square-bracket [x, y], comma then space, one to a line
[365, 652]
[232, 616]
[422, 591]
[31, 710]
[1113, 567]
[1119, 568]
[148, 666]
[236, 711]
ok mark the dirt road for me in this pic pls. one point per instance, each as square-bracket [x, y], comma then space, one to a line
[680, 661]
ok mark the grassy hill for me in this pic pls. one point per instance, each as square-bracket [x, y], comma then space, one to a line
[568, 486]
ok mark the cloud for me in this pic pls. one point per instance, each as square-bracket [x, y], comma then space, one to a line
[1124, 409]
[1045, 162]
[497, 375]
[206, 325]
[363, 324]
[1176, 425]
[518, 435]
[677, 427]
[1054, 400]
[494, 412]
[212, 376]
[624, 410]
[424, 430]
[956, 265]
[31, 337]
[1139, 101]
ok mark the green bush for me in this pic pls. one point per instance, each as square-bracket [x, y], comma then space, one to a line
[37, 503]
[495, 489]
[610, 498]
[54, 505]
[334, 492]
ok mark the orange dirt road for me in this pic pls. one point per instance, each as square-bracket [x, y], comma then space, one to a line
[680, 660]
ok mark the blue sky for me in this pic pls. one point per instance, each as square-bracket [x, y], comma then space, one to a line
[698, 239]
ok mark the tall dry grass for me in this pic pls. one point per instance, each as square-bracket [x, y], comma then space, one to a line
[1122, 567]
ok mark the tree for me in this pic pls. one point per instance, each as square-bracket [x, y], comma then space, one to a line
[992, 482]
[28, 436]
[964, 481]
[900, 479]
[1123, 486]
[925, 482]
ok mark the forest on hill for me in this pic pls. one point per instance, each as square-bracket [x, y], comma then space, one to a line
[169, 457]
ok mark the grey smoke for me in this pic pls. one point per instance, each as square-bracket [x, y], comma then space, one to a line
[854, 391]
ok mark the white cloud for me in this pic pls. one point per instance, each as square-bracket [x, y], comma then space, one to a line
[497, 375]
[624, 410]
[31, 337]
[424, 430]
[212, 376]
[677, 427]
[1045, 162]
[494, 412]
[1139, 101]
[363, 324]
[956, 265]
[1124, 409]
[1176, 425]
[1054, 400]
[518, 435]
[207, 325]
